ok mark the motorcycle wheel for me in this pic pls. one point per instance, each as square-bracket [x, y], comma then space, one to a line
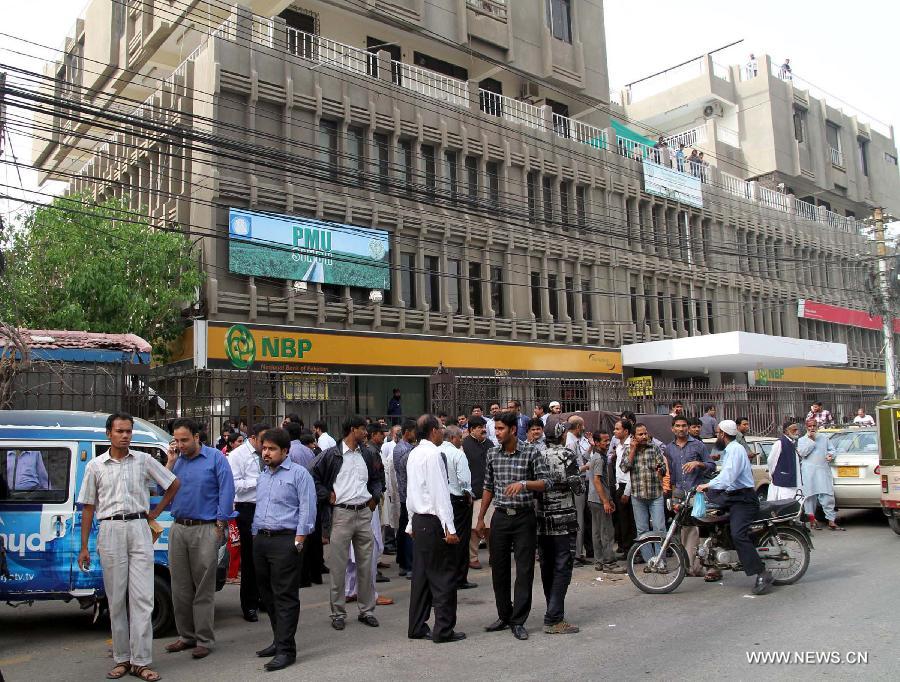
[790, 570]
[656, 582]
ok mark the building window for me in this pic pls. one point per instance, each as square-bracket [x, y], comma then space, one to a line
[451, 174]
[536, 294]
[833, 137]
[532, 195]
[559, 19]
[863, 147]
[492, 169]
[472, 178]
[581, 206]
[454, 296]
[799, 124]
[475, 288]
[547, 184]
[328, 147]
[570, 297]
[497, 290]
[586, 300]
[432, 283]
[430, 170]
[406, 166]
[565, 202]
[554, 296]
[357, 154]
[383, 159]
[408, 278]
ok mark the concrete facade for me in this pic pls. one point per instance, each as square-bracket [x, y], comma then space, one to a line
[536, 236]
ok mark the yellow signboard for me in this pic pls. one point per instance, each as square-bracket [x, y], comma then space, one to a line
[244, 346]
[640, 387]
[820, 375]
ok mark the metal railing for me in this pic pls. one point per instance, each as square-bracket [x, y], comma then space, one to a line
[492, 8]
[721, 71]
[512, 110]
[728, 136]
[327, 51]
[772, 199]
[843, 223]
[736, 185]
[804, 209]
[837, 157]
[689, 138]
[262, 31]
[580, 132]
[432, 84]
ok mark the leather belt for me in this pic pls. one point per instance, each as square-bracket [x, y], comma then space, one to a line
[353, 507]
[193, 522]
[272, 533]
[509, 511]
[126, 517]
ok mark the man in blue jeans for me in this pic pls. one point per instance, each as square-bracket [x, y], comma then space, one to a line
[646, 464]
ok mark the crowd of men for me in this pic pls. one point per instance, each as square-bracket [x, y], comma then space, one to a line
[428, 491]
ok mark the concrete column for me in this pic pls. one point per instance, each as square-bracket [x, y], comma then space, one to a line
[508, 299]
[396, 284]
[545, 292]
[562, 295]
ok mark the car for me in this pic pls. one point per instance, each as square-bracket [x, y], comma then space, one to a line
[760, 447]
[857, 477]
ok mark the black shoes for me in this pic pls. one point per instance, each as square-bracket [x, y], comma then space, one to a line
[338, 623]
[381, 578]
[424, 635]
[280, 662]
[368, 619]
[251, 615]
[497, 626]
[267, 652]
[454, 637]
[403, 572]
[763, 582]
[519, 632]
[467, 586]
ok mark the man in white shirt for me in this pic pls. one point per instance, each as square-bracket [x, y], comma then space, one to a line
[459, 478]
[434, 572]
[245, 466]
[323, 438]
[390, 512]
[491, 433]
[863, 419]
[625, 528]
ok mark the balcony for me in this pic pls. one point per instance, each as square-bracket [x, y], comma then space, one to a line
[688, 138]
[496, 9]
[837, 158]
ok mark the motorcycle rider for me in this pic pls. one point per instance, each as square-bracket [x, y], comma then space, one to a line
[732, 490]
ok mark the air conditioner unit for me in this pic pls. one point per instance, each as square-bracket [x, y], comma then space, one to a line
[529, 90]
[714, 108]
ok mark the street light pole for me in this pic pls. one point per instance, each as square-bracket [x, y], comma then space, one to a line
[887, 317]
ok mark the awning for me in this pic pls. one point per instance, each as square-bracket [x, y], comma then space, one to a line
[626, 133]
[732, 352]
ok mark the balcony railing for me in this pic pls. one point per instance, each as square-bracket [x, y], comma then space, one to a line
[735, 185]
[721, 71]
[689, 138]
[493, 8]
[432, 84]
[579, 131]
[728, 136]
[327, 51]
[512, 110]
[837, 157]
[772, 199]
[804, 209]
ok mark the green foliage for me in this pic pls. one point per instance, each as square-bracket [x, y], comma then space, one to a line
[99, 268]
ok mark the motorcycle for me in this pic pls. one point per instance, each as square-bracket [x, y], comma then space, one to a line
[781, 537]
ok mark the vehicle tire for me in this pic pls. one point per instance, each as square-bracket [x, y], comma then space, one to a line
[163, 618]
[796, 545]
[894, 523]
[657, 583]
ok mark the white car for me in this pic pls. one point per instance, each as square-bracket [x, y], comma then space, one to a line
[857, 479]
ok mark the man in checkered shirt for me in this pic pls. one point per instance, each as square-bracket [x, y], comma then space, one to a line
[514, 472]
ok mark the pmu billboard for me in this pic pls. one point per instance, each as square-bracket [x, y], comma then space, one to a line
[307, 250]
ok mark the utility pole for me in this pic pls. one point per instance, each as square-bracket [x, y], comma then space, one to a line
[887, 313]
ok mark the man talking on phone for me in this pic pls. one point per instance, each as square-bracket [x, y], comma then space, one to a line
[116, 488]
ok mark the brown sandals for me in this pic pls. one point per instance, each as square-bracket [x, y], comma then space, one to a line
[119, 671]
[145, 673]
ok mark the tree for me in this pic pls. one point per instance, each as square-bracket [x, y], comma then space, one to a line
[75, 264]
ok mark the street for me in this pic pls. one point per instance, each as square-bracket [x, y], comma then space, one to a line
[703, 631]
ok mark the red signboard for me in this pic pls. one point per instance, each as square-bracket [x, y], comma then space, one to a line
[811, 310]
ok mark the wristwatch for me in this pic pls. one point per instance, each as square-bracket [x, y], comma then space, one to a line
[524, 485]
[220, 524]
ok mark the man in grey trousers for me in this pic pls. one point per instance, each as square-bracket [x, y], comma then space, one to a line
[116, 488]
[201, 514]
[348, 487]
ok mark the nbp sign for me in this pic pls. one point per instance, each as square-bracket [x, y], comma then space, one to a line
[243, 347]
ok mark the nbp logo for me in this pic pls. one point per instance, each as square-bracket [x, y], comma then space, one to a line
[240, 346]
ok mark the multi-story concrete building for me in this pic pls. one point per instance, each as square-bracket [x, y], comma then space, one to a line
[463, 152]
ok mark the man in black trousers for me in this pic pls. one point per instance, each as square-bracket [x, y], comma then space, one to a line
[434, 568]
[285, 515]
[514, 472]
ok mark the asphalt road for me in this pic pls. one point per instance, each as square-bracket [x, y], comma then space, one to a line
[848, 602]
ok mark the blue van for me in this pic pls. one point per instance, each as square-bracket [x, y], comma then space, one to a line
[43, 456]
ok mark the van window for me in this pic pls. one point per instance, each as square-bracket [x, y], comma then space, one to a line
[34, 474]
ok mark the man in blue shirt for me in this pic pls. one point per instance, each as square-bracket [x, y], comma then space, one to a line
[732, 490]
[688, 463]
[201, 510]
[285, 515]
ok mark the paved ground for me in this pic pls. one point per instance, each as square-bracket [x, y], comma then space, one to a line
[846, 603]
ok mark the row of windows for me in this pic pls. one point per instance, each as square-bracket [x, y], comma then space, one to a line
[462, 282]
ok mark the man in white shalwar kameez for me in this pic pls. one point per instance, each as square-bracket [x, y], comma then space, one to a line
[816, 454]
